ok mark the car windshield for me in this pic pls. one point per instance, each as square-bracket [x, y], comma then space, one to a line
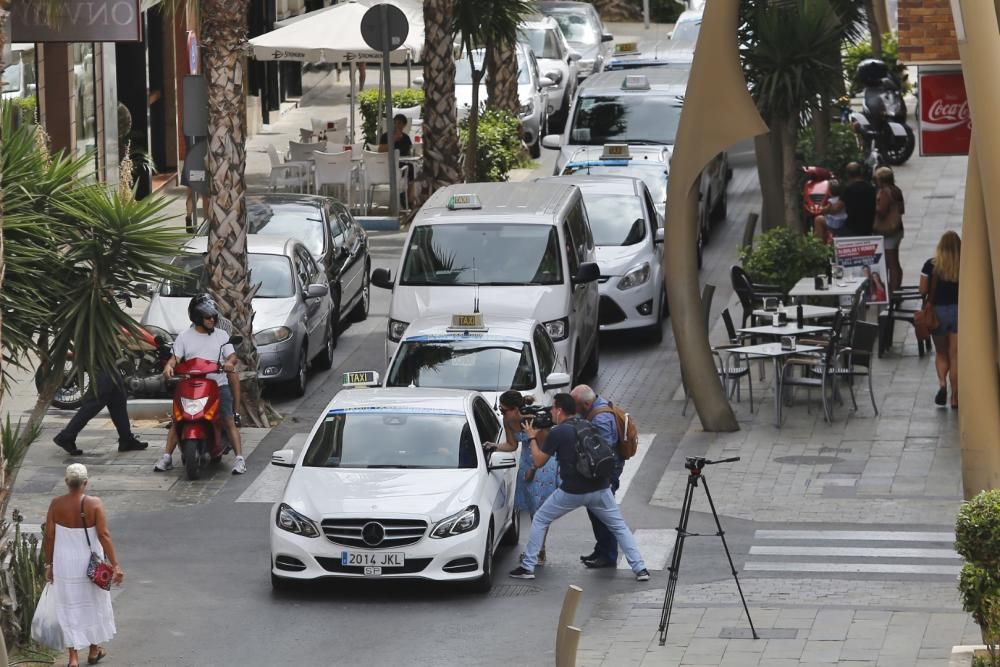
[478, 364]
[653, 174]
[463, 73]
[287, 220]
[543, 42]
[686, 34]
[483, 254]
[272, 272]
[578, 28]
[392, 438]
[615, 219]
[635, 119]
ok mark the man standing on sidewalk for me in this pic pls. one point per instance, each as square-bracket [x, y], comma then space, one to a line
[575, 490]
[108, 391]
[597, 411]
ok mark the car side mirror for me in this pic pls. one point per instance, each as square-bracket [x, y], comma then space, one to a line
[587, 273]
[316, 290]
[607, 37]
[382, 278]
[143, 289]
[283, 458]
[550, 79]
[418, 81]
[556, 381]
[659, 235]
[235, 340]
[553, 141]
[575, 55]
[501, 460]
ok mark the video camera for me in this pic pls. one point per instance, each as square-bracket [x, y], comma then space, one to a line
[696, 463]
[539, 416]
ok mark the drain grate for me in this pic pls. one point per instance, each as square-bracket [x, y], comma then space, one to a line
[808, 460]
[513, 591]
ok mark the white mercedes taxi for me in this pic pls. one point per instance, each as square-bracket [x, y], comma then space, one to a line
[490, 354]
[395, 483]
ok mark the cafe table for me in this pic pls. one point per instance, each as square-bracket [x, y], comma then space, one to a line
[789, 329]
[806, 287]
[809, 312]
[775, 353]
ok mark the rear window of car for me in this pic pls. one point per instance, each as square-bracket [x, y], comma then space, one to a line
[476, 364]
[288, 220]
[634, 119]
[272, 272]
[543, 42]
[392, 438]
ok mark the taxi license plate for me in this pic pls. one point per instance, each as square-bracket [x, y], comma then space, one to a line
[372, 560]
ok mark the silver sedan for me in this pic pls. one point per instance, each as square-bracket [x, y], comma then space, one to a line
[293, 323]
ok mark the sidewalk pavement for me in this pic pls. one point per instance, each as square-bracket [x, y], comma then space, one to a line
[863, 486]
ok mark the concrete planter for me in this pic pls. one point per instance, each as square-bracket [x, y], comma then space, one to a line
[961, 656]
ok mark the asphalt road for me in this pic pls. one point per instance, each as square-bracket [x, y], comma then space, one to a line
[198, 589]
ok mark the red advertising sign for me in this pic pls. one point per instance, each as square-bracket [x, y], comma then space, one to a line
[945, 121]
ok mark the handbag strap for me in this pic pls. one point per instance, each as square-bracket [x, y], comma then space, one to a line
[83, 517]
[933, 287]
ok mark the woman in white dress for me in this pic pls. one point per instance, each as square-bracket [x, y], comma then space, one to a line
[83, 608]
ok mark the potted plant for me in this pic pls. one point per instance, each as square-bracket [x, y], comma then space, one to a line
[977, 540]
[783, 256]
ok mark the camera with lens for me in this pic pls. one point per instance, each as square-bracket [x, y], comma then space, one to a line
[695, 462]
[539, 416]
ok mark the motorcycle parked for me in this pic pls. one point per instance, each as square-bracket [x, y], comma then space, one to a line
[881, 123]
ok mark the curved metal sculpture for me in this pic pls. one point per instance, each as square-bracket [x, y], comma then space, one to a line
[716, 83]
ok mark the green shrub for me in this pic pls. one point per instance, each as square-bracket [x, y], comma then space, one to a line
[26, 109]
[841, 148]
[372, 112]
[855, 53]
[499, 147]
[783, 256]
[977, 538]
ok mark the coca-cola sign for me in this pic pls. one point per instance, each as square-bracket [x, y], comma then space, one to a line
[945, 121]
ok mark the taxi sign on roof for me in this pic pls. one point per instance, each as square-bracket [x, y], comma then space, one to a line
[635, 82]
[616, 152]
[626, 47]
[361, 379]
[465, 322]
[459, 202]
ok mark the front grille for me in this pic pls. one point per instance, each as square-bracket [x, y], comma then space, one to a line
[468, 564]
[398, 532]
[608, 312]
[412, 566]
[289, 564]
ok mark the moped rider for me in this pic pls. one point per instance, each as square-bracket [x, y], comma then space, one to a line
[203, 340]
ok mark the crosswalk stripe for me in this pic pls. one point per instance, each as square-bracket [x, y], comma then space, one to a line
[270, 483]
[632, 465]
[854, 552]
[859, 535]
[854, 568]
[656, 547]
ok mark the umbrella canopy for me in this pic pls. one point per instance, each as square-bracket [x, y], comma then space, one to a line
[333, 35]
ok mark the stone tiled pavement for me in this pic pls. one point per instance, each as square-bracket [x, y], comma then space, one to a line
[899, 471]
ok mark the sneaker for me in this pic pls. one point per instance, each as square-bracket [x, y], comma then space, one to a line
[521, 573]
[941, 397]
[69, 444]
[600, 562]
[642, 575]
[132, 444]
[239, 466]
[165, 463]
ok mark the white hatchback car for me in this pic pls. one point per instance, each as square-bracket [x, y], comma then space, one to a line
[556, 60]
[395, 483]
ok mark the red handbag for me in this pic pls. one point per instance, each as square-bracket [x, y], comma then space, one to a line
[99, 570]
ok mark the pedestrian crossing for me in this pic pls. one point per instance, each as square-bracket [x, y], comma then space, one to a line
[867, 552]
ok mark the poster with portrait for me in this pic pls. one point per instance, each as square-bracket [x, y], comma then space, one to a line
[864, 257]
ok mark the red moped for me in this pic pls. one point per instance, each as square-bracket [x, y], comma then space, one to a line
[815, 193]
[197, 414]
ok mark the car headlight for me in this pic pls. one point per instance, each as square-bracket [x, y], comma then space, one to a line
[558, 329]
[193, 406]
[271, 336]
[290, 520]
[528, 108]
[456, 524]
[584, 66]
[396, 329]
[635, 277]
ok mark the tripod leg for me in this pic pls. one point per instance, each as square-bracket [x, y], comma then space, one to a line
[675, 559]
[722, 536]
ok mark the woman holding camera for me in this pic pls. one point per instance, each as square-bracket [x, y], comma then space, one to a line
[534, 485]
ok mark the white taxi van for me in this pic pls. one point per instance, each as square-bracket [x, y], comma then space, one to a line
[490, 354]
[516, 249]
[395, 483]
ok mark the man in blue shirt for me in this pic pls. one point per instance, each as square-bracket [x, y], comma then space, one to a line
[605, 553]
[574, 490]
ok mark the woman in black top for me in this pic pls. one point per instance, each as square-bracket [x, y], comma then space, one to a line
[941, 273]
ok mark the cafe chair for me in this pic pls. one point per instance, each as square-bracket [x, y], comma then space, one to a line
[856, 359]
[335, 170]
[818, 369]
[751, 294]
[305, 136]
[903, 305]
[728, 370]
[285, 174]
[376, 175]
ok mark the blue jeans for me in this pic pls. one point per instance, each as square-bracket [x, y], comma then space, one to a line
[607, 545]
[602, 503]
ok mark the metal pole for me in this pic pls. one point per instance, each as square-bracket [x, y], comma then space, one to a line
[353, 95]
[645, 13]
[386, 74]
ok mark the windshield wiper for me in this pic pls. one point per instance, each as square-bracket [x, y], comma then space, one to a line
[393, 465]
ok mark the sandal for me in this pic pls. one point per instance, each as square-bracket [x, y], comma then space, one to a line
[93, 660]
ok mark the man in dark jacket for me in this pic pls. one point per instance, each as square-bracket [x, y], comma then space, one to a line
[859, 201]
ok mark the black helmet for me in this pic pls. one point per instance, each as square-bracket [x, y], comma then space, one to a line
[202, 306]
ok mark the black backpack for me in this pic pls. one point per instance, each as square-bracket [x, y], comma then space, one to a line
[595, 459]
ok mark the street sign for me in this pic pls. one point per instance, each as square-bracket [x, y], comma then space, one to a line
[395, 19]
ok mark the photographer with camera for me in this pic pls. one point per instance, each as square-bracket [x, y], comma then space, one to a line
[597, 411]
[583, 457]
[534, 484]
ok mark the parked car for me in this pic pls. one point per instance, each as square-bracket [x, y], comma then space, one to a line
[532, 91]
[293, 325]
[556, 60]
[584, 31]
[332, 236]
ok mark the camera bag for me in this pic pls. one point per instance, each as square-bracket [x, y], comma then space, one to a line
[594, 457]
[628, 432]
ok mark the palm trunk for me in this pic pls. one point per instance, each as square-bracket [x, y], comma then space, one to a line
[787, 130]
[501, 80]
[619, 10]
[223, 30]
[441, 146]
[874, 28]
[768, 150]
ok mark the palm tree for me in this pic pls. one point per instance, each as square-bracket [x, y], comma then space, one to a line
[501, 79]
[618, 10]
[441, 148]
[787, 71]
[851, 18]
[490, 24]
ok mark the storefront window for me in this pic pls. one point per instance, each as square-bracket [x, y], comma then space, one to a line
[19, 80]
[85, 83]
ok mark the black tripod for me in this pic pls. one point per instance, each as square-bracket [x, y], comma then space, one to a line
[695, 464]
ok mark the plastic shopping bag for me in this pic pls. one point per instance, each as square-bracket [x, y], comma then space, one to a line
[45, 628]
